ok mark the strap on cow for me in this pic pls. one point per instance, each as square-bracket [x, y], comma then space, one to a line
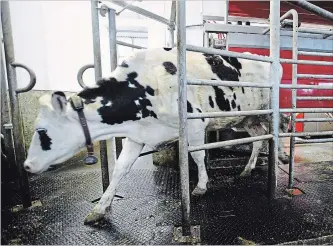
[77, 105]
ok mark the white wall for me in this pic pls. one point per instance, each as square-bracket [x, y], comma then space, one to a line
[54, 38]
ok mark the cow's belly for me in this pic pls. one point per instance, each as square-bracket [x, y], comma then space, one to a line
[223, 122]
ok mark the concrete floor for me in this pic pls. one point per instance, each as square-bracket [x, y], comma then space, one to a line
[311, 153]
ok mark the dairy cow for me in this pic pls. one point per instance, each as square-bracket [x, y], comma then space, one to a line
[139, 101]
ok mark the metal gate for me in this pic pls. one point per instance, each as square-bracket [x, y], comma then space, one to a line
[14, 127]
[274, 86]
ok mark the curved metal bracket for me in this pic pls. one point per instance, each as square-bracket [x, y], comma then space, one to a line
[32, 75]
[80, 75]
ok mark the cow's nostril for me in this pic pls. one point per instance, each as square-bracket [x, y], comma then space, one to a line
[26, 167]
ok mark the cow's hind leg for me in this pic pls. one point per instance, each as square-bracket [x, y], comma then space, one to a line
[283, 156]
[199, 159]
[254, 129]
[253, 159]
[130, 152]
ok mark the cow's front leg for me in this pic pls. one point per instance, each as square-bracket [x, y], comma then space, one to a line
[130, 152]
[199, 159]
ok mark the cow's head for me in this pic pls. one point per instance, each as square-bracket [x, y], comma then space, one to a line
[58, 135]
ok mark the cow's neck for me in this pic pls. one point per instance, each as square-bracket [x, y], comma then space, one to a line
[113, 108]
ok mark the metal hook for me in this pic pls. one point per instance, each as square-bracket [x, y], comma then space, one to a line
[80, 75]
[32, 75]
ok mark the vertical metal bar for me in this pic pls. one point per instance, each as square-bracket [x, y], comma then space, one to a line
[113, 66]
[171, 38]
[293, 100]
[206, 39]
[98, 75]
[274, 103]
[182, 110]
[5, 116]
[18, 136]
[171, 27]
[226, 15]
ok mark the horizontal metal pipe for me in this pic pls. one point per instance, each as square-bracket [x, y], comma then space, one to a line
[304, 62]
[227, 114]
[213, 51]
[304, 134]
[327, 35]
[308, 53]
[229, 142]
[315, 120]
[315, 31]
[323, 140]
[306, 110]
[141, 11]
[226, 83]
[314, 98]
[314, 76]
[317, 87]
[130, 45]
[313, 9]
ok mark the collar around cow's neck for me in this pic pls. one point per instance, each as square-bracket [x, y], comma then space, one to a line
[77, 105]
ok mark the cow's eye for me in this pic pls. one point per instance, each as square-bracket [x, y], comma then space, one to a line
[41, 130]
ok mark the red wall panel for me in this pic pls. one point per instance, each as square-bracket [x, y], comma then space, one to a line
[285, 94]
[260, 9]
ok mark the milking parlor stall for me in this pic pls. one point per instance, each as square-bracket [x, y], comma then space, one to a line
[166, 122]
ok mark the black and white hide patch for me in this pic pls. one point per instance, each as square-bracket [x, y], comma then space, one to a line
[124, 64]
[222, 71]
[170, 67]
[45, 140]
[121, 101]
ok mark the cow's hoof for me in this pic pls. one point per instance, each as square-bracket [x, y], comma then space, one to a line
[245, 173]
[284, 158]
[198, 191]
[93, 218]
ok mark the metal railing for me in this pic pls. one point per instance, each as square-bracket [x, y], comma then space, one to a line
[273, 137]
[275, 86]
[14, 105]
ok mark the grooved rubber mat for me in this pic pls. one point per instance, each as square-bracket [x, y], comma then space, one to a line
[233, 207]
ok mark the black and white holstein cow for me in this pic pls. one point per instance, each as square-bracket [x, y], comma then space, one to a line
[139, 101]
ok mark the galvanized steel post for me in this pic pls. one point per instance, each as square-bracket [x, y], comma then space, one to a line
[20, 153]
[98, 75]
[6, 126]
[293, 99]
[274, 103]
[182, 110]
[113, 66]
[171, 27]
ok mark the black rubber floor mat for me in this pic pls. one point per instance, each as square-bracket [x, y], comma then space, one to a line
[233, 210]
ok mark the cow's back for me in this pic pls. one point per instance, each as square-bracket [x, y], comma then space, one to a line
[158, 69]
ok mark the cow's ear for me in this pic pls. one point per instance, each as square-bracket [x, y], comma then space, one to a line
[59, 101]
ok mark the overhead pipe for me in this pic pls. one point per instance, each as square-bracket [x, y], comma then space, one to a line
[313, 9]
